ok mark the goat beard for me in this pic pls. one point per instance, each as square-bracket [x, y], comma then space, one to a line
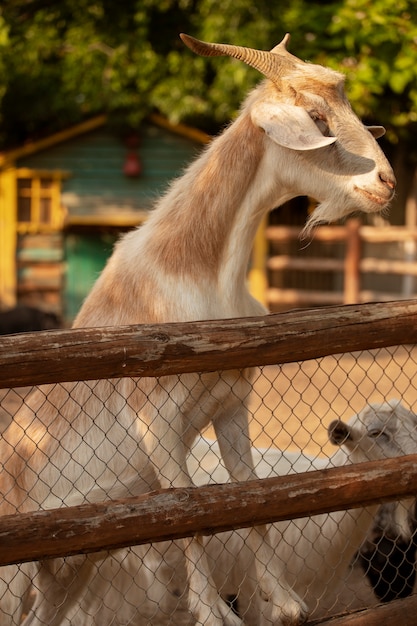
[324, 213]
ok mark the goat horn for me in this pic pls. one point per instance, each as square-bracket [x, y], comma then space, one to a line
[271, 63]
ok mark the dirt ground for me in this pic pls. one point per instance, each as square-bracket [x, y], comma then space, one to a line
[292, 405]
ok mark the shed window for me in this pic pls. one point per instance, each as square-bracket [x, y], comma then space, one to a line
[39, 201]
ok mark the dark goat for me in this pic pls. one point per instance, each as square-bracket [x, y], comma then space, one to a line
[389, 560]
[390, 568]
[23, 319]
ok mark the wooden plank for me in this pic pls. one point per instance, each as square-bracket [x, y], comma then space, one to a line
[332, 234]
[7, 238]
[30, 148]
[41, 240]
[303, 297]
[310, 297]
[388, 266]
[402, 611]
[40, 271]
[321, 233]
[310, 264]
[180, 129]
[40, 248]
[203, 346]
[257, 275]
[183, 512]
[123, 219]
[366, 295]
[40, 286]
[390, 234]
[39, 255]
[352, 279]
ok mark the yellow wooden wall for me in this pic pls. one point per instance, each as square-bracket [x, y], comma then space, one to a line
[257, 277]
[8, 275]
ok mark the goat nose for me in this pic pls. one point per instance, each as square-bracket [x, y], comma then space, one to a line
[388, 179]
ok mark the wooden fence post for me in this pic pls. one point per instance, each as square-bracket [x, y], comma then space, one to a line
[352, 261]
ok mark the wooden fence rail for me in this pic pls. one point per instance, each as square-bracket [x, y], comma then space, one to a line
[351, 267]
[176, 348]
[183, 512]
[159, 350]
[398, 612]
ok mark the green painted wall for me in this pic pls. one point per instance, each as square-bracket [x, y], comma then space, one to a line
[86, 255]
[98, 186]
[97, 183]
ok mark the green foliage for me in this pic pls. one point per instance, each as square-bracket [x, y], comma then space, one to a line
[63, 61]
[376, 43]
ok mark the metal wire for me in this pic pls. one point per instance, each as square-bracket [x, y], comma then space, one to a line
[290, 407]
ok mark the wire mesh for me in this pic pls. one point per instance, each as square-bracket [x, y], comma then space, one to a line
[349, 559]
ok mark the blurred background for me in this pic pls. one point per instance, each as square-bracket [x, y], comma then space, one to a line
[101, 105]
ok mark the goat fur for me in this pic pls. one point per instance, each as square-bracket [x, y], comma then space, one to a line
[188, 262]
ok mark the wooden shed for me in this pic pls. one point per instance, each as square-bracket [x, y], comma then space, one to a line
[64, 200]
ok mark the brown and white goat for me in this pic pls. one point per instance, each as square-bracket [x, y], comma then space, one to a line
[296, 135]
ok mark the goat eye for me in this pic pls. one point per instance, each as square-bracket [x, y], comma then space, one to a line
[323, 127]
[379, 434]
[320, 121]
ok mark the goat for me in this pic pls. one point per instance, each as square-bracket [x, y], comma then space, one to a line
[315, 552]
[388, 558]
[23, 319]
[296, 135]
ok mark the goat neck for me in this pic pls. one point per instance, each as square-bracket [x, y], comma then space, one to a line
[201, 233]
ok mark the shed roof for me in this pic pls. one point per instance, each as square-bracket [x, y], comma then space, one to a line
[94, 155]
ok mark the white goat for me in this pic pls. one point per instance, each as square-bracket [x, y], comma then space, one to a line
[315, 552]
[296, 135]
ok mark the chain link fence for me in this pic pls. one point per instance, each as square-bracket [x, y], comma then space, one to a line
[336, 562]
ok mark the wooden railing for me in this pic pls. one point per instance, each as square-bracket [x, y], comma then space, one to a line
[159, 350]
[204, 346]
[353, 266]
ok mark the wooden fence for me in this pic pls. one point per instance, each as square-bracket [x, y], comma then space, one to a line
[353, 266]
[158, 350]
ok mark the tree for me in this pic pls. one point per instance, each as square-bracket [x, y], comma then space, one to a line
[63, 61]
[375, 45]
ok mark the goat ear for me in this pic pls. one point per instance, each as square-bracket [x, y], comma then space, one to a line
[339, 432]
[376, 131]
[289, 126]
